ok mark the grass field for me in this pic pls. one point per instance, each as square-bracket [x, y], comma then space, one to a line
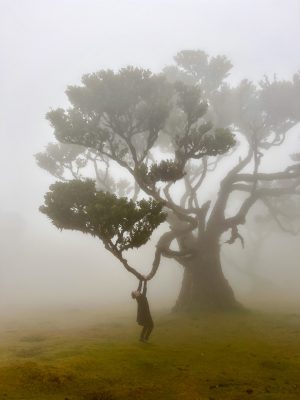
[233, 356]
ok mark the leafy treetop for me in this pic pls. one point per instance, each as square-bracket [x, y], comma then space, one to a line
[120, 223]
[189, 112]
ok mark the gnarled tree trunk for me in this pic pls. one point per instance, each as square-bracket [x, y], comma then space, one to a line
[204, 286]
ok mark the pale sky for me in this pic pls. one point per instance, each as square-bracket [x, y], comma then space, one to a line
[48, 44]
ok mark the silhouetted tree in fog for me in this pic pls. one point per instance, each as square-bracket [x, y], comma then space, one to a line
[171, 133]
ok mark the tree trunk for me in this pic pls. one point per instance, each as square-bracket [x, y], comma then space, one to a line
[204, 286]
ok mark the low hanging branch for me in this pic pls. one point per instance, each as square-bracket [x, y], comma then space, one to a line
[119, 223]
[163, 247]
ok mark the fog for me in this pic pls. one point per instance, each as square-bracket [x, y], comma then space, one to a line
[48, 45]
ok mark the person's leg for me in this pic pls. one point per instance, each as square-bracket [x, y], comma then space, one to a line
[149, 330]
[143, 333]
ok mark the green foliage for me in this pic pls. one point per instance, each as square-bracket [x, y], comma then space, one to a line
[194, 62]
[118, 116]
[195, 67]
[111, 108]
[191, 131]
[268, 109]
[200, 142]
[281, 99]
[59, 156]
[189, 100]
[119, 222]
[165, 171]
[219, 142]
[121, 114]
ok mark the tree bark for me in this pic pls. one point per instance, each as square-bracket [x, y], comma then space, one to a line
[204, 286]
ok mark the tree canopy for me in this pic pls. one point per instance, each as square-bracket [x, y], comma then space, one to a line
[154, 140]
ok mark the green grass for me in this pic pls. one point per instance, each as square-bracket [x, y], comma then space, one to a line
[233, 356]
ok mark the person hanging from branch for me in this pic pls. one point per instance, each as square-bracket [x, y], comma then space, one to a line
[144, 317]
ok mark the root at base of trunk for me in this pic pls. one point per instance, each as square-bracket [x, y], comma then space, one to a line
[204, 291]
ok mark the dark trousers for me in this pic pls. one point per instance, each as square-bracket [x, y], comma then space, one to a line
[146, 331]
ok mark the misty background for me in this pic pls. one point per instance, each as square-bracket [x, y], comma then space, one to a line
[47, 45]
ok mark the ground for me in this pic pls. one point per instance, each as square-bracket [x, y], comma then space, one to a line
[246, 355]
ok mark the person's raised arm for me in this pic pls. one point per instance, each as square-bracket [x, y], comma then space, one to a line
[145, 288]
[140, 286]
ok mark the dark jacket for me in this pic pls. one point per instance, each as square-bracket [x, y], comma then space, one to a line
[143, 311]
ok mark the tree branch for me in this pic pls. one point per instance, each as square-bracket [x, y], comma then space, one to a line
[287, 174]
[163, 248]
